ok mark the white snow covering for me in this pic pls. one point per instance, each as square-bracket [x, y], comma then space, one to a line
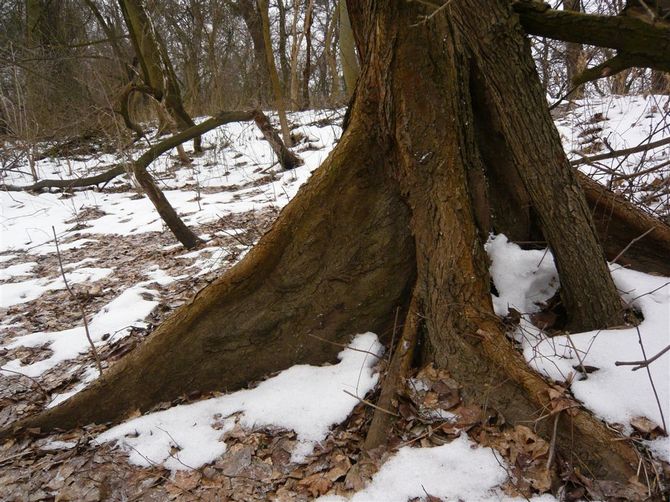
[14, 293]
[460, 470]
[115, 320]
[305, 399]
[26, 219]
[614, 393]
[596, 125]
[20, 269]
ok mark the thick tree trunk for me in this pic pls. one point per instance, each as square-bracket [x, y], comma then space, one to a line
[257, 318]
[391, 210]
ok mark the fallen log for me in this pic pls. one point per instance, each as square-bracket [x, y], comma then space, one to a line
[619, 223]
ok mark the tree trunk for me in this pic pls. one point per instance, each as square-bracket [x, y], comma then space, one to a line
[391, 211]
[157, 69]
[574, 54]
[280, 104]
[249, 11]
[347, 50]
[307, 69]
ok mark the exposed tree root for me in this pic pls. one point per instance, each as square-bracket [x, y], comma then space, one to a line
[401, 362]
[256, 318]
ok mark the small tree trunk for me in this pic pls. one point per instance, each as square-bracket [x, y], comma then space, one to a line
[307, 70]
[294, 89]
[183, 234]
[250, 12]
[574, 54]
[157, 69]
[287, 159]
[274, 78]
[348, 50]
[331, 60]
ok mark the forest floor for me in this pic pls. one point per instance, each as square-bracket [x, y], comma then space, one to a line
[297, 435]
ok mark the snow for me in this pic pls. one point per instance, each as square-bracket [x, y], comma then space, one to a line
[596, 126]
[115, 319]
[14, 293]
[20, 269]
[459, 470]
[305, 399]
[614, 393]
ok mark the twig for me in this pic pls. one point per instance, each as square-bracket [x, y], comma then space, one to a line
[33, 380]
[344, 345]
[644, 363]
[438, 9]
[631, 243]
[372, 405]
[81, 307]
[651, 380]
[395, 326]
[620, 153]
[579, 358]
[552, 445]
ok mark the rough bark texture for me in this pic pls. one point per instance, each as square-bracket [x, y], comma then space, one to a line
[517, 107]
[391, 208]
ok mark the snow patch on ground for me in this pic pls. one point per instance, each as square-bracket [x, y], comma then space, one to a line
[305, 399]
[114, 320]
[14, 293]
[614, 393]
[460, 470]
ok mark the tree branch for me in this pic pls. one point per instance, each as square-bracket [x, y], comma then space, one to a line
[621, 153]
[639, 43]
